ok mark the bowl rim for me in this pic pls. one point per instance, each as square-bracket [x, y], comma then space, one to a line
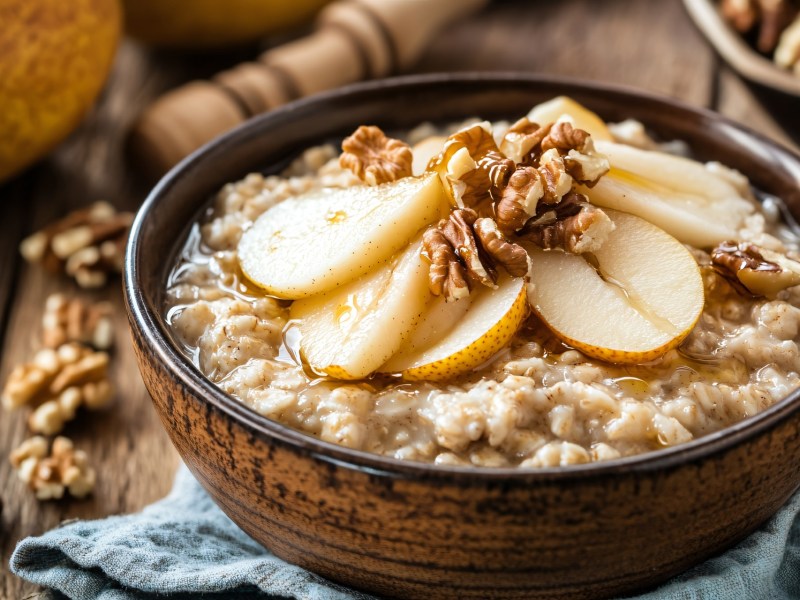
[148, 327]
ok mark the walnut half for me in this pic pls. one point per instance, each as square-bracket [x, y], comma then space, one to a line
[375, 158]
[760, 271]
[575, 226]
[50, 475]
[465, 250]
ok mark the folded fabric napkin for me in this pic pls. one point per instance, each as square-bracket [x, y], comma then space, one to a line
[184, 547]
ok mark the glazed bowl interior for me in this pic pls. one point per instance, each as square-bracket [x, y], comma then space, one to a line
[267, 143]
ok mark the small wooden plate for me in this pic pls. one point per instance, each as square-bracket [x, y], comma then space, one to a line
[735, 50]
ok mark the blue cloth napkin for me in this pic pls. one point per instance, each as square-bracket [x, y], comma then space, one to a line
[184, 547]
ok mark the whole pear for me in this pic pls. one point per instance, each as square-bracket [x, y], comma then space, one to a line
[55, 56]
[197, 24]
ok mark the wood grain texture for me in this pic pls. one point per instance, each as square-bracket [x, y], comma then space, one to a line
[644, 43]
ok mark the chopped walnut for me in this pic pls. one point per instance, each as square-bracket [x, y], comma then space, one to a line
[787, 54]
[755, 270]
[56, 383]
[512, 257]
[88, 244]
[49, 476]
[74, 320]
[465, 250]
[575, 146]
[522, 139]
[447, 275]
[375, 158]
[771, 17]
[458, 231]
[557, 182]
[520, 199]
[575, 226]
[471, 166]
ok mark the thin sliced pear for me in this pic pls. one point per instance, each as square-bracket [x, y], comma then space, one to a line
[580, 116]
[677, 194]
[639, 297]
[350, 332]
[492, 318]
[424, 150]
[439, 318]
[318, 241]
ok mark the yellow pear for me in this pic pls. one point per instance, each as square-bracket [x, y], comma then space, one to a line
[318, 241]
[213, 23]
[350, 331]
[54, 59]
[453, 338]
[631, 301]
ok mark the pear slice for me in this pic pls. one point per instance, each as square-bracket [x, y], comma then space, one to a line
[679, 195]
[577, 114]
[630, 302]
[318, 241]
[424, 150]
[469, 334]
[349, 332]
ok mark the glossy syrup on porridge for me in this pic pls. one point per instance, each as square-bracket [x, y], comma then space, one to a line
[548, 379]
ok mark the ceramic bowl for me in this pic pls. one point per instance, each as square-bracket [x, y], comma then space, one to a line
[408, 529]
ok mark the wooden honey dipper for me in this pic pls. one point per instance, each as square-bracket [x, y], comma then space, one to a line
[353, 40]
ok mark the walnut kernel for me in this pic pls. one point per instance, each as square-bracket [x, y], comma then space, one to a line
[759, 271]
[375, 158]
[49, 476]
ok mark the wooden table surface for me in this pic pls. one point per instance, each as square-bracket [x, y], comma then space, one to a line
[649, 44]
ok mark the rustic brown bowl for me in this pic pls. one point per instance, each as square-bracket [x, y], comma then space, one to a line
[416, 530]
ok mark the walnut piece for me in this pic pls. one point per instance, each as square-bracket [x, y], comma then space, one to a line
[75, 320]
[458, 231]
[787, 54]
[576, 147]
[771, 16]
[575, 226]
[447, 275]
[755, 270]
[512, 257]
[465, 250]
[375, 158]
[472, 168]
[49, 476]
[520, 199]
[522, 140]
[88, 244]
[56, 383]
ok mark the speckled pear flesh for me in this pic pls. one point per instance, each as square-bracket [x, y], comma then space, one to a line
[630, 302]
[351, 331]
[481, 329]
[316, 242]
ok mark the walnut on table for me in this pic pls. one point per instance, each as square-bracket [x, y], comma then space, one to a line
[771, 17]
[75, 320]
[49, 475]
[56, 383]
[88, 244]
[374, 157]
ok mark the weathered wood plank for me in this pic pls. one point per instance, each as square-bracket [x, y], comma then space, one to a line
[775, 115]
[650, 44]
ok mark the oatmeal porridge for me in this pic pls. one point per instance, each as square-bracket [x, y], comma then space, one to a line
[495, 294]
